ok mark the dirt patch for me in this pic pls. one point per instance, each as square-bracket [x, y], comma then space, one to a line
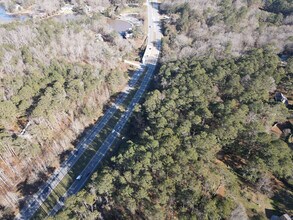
[221, 191]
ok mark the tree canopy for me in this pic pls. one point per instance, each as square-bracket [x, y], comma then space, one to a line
[199, 109]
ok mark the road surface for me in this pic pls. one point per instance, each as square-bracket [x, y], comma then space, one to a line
[35, 202]
[150, 59]
[152, 53]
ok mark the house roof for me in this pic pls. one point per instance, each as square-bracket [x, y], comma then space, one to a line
[278, 128]
[279, 97]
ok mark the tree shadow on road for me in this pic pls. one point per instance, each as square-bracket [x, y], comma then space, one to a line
[64, 155]
[27, 188]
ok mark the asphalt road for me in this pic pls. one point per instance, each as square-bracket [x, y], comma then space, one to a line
[34, 203]
[94, 162]
[150, 59]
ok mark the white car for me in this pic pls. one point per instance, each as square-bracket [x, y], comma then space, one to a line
[79, 177]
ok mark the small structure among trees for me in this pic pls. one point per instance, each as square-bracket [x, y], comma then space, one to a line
[279, 97]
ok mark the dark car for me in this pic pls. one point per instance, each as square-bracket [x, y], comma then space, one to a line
[62, 199]
[46, 190]
[76, 151]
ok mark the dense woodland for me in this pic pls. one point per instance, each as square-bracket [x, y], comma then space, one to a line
[202, 110]
[200, 146]
[284, 7]
[53, 6]
[224, 28]
[56, 75]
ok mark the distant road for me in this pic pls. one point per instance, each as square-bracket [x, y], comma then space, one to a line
[150, 59]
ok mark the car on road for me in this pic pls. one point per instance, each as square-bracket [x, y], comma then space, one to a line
[78, 177]
[76, 151]
[88, 173]
[46, 190]
[33, 204]
[62, 199]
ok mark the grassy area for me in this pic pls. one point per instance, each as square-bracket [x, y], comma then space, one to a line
[277, 201]
[68, 179]
[40, 214]
[254, 202]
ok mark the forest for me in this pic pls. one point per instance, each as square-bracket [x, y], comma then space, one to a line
[202, 144]
[284, 7]
[56, 76]
[53, 6]
[224, 28]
